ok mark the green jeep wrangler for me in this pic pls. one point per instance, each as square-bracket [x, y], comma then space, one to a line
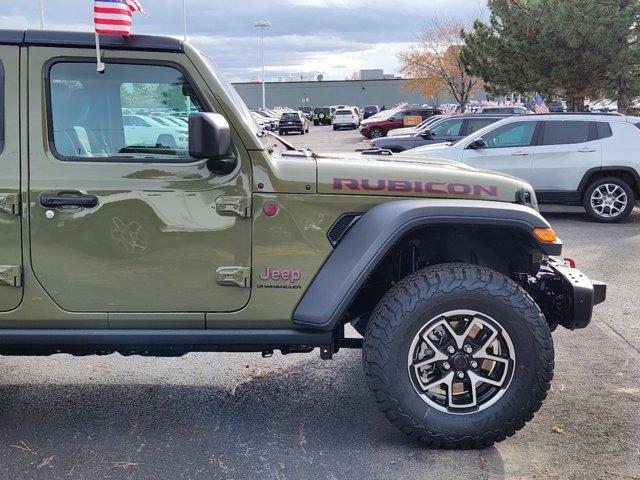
[322, 116]
[121, 236]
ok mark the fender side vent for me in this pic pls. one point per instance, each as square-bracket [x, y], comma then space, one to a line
[342, 226]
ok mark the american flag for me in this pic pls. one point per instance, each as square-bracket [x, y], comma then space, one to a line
[540, 106]
[113, 17]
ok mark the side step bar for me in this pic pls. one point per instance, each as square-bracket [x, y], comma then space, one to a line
[159, 342]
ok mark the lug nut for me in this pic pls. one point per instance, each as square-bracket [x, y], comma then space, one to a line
[451, 350]
[468, 349]
[446, 366]
[460, 374]
[474, 364]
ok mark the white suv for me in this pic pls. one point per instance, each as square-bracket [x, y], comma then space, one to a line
[571, 159]
[346, 118]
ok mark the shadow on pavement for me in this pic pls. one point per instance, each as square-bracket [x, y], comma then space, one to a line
[314, 420]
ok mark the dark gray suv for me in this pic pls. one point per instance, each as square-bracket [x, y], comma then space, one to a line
[449, 129]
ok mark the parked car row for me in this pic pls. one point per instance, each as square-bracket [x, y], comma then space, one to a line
[571, 159]
[438, 129]
[380, 124]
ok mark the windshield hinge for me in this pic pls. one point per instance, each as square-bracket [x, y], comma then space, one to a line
[11, 275]
[229, 206]
[10, 203]
[234, 276]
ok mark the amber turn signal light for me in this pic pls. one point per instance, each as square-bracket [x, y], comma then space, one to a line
[546, 235]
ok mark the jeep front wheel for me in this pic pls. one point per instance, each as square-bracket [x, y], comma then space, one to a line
[609, 200]
[458, 356]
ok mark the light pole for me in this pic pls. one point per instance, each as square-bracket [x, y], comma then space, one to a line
[262, 24]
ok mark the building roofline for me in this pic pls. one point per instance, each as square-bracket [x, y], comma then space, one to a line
[258, 82]
[87, 40]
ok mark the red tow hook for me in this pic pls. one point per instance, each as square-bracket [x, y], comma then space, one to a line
[570, 262]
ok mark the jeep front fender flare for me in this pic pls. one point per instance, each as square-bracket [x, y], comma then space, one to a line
[370, 239]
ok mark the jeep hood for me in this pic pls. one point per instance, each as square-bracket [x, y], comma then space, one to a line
[406, 176]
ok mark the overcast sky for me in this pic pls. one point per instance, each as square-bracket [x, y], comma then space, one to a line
[308, 37]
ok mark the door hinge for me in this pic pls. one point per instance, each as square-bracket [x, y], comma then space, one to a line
[10, 204]
[11, 275]
[234, 276]
[228, 206]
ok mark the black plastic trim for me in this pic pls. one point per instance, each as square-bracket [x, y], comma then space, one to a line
[368, 241]
[559, 197]
[582, 293]
[34, 341]
[48, 38]
[584, 183]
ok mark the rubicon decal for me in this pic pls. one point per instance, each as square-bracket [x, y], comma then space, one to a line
[405, 186]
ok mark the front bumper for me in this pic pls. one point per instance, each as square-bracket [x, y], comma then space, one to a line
[566, 295]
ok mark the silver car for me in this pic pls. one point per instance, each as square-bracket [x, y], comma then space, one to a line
[570, 159]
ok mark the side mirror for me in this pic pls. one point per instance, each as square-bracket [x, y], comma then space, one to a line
[477, 144]
[426, 134]
[210, 138]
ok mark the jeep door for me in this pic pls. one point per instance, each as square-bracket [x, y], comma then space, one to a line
[508, 149]
[119, 226]
[567, 149]
[10, 206]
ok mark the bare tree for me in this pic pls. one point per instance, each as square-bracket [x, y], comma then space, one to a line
[434, 64]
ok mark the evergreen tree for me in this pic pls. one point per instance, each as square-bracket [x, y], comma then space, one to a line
[566, 48]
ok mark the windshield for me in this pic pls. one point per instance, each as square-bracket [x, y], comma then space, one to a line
[344, 112]
[241, 107]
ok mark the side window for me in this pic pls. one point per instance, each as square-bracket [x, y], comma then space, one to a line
[475, 124]
[448, 127]
[604, 130]
[565, 132]
[398, 117]
[108, 116]
[1, 107]
[518, 134]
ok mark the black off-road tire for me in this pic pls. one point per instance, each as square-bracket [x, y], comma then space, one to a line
[594, 215]
[401, 315]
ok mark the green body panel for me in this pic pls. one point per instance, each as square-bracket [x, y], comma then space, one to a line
[74, 256]
[400, 176]
[293, 240]
[10, 241]
[74, 278]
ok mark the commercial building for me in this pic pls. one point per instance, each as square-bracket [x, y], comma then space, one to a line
[367, 91]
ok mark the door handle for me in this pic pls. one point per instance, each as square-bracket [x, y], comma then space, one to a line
[520, 154]
[49, 200]
[587, 150]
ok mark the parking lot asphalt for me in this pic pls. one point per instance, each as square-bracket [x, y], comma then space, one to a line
[238, 416]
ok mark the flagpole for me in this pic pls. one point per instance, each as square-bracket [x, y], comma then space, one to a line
[41, 14]
[184, 18]
[100, 65]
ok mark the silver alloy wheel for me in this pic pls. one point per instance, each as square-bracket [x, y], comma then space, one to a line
[376, 133]
[461, 382]
[609, 200]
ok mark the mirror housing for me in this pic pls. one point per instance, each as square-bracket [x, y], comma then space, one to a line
[477, 144]
[426, 134]
[210, 139]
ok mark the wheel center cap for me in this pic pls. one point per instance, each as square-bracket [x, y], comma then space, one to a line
[460, 361]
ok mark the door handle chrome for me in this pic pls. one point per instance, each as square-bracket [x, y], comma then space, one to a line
[520, 154]
[587, 150]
